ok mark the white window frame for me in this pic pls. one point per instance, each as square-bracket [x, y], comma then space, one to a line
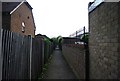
[23, 26]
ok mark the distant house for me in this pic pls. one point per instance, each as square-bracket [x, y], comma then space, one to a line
[17, 17]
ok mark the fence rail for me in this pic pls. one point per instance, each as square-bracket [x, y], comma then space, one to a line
[21, 56]
[77, 33]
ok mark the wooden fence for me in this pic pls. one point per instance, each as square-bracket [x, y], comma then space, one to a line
[21, 57]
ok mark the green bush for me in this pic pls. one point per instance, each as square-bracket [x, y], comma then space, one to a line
[47, 44]
[85, 38]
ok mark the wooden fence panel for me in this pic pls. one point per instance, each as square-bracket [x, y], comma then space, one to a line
[36, 57]
[1, 55]
[21, 57]
[9, 54]
[5, 65]
[16, 51]
[13, 48]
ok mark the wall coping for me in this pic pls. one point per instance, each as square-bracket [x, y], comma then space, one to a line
[94, 5]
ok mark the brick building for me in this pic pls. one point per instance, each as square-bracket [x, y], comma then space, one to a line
[104, 40]
[17, 17]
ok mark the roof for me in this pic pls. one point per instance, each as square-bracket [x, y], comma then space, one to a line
[9, 6]
[12, 6]
[44, 36]
[70, 38]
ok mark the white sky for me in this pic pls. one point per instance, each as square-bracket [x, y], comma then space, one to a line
[59, 17]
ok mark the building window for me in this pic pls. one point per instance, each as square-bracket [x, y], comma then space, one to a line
[23, 27]
[28, 17]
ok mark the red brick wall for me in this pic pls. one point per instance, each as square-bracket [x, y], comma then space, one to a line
[23, 14]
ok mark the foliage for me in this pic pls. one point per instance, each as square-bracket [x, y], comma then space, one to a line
[47, 40]
[85, 38]
[60, 39]
[45, 69]
[55, 40]
[47, 48]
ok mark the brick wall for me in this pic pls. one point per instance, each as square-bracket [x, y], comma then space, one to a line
[104, 41]
[75, 57]
[23, 14]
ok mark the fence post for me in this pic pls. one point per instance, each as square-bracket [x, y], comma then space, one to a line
[30, 55]
[43, 52]
[1, 55]
[76, 37]
[86, 59]
[0, 14]
[76, 34]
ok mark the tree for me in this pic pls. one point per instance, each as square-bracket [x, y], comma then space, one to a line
[60, 39]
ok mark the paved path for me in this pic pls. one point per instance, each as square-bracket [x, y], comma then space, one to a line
[58, 68]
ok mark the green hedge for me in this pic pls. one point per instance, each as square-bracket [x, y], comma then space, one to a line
[47, 49]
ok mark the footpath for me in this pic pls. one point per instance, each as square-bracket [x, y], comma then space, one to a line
[58, 67]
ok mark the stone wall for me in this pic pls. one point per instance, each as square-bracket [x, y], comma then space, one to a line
[104, 41]
[75, 56]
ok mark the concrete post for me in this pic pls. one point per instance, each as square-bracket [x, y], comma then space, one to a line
[30, 55]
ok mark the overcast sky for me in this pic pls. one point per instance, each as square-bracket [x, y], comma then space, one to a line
[59, 17]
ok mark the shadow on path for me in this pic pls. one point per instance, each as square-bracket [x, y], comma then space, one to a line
[58, 68]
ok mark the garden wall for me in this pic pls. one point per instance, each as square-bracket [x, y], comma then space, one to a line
[75, 57]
